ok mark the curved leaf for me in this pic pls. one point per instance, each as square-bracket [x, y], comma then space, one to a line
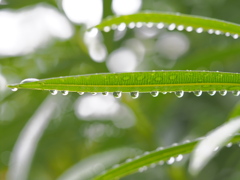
[151, 158]
[175, 20]
[134, 82]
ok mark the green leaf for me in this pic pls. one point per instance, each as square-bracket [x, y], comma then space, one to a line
[151, 158]
[134, 82]
[176, 20]
[205, 150]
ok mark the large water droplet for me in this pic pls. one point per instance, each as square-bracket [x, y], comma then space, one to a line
[14, 89]
[105, 93]
[210, 31]
[154, 93]
[227, 34]
[150, 24]
[134, 94]
[139, 24]
[64, 93]
[189, 29]
[199, 30]
[106, 29]
[28, 80]
[81, 93]
[180, 27]
[117, 94]
[131, 25]
[236, 93]
[171, 27]
[217, 32]
[179, 157]
[53, 92]
[197, 93]
[121, 27]
[94, 93]
[235, 36]
[229, 145]
[211, 93]
[179, 94]
[171, 160]
[223, 92]
[160, 25]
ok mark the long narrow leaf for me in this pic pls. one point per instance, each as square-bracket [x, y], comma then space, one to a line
[163, 81]
[151, 159]
[175, 20]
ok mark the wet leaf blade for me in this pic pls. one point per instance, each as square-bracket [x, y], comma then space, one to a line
[176, 18]
[153, 157]
[163, 81]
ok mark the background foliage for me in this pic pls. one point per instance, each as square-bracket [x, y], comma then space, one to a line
[142, 124]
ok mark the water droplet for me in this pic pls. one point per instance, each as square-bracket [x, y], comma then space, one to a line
[223, 92]
[81, 93]
[14, 89]
[106, 29]
[117, 94]
[144, 168]
[93, 32]
[217, 32]
[171, 160]
[159, 148]
[105, 93]
[131, 25]
[197, 93]
[189, 29]
[227, 34]
[216, 148]
[211, 93]
[114, 26]
[171, 27]
[199, 30]
[154, 93]
[115, 166]
[229, 145]
[235, 36]
[53, 92]
[139, 24]
[29, 80]
[210, 31]
[174, 144]
[160, 25]
[146, 153]
[150, 24]
[164, 92]
[134, 94]
[161, 163]
[153, 165]
[180, 27]
[121, 27]
[179, 94]
[94, 93]
[236, 93]
[179, 157]
[64, 93]
[128, 160]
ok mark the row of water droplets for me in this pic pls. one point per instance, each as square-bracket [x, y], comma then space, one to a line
[169, 161]
[134, 94]
[123, 26]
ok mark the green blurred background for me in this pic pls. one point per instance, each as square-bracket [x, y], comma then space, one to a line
[41, 39]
